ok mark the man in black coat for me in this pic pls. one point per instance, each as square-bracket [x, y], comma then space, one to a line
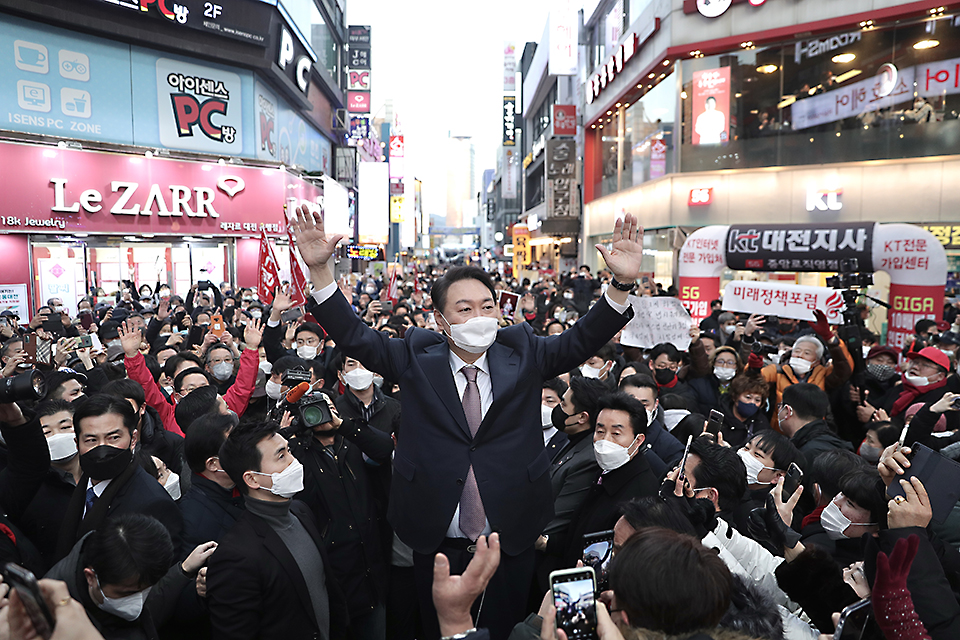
[617, 439]
[802, 416]
[849, 414]
[340, 489]
[113, 482]
[270, 578]
[471, 457]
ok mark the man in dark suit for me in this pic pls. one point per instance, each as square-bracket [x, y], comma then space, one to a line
[470, 457]
[270, 578]
[113, 482]
[554, 439]
[621, 427]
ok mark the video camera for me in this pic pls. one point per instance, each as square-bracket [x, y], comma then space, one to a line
[29, 385]
[307, 408]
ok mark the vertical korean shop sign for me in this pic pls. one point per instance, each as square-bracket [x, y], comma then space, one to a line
[711, 106]
[561, 161]
[509, 121]
[200, 108]
[521, 248]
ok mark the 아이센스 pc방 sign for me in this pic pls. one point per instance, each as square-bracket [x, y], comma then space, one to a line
[783, 300]
[655, 321]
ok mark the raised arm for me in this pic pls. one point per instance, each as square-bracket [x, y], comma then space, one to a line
[138, 372]
[238, 395]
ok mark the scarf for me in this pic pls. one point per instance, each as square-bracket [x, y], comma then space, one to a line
[812, 518]
[910, 393]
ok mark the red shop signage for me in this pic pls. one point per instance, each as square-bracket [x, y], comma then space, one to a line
[51, 190]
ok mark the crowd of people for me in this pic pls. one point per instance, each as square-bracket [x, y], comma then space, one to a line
[411, 462]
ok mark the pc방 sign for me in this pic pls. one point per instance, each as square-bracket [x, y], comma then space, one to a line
[783, 300]
[655, 321]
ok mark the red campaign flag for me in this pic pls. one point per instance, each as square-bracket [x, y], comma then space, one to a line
[269, 274]
[392, 288]
[298, 290]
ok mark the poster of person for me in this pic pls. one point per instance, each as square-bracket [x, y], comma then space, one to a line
[508, 303]
[711, 106]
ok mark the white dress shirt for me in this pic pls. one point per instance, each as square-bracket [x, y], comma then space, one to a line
[98, 490]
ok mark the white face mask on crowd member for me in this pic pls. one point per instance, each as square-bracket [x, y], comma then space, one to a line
[836, 523]
[358, 379]
[286, 483]
[614, 442]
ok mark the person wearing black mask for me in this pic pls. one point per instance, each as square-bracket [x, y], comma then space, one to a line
[574, 469]
[852, 408]
[112, 483]
[666, 362]
[742, 408]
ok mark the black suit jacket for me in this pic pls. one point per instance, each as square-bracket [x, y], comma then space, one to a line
[256, 590]
[435, 449]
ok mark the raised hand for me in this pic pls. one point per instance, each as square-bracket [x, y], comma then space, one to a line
[311, 240]
[163, 309]
[454, 595]
[130, 339]
[623, 259]
[253, 333]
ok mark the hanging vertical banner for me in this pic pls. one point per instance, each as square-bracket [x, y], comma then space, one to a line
[298, 288]
[711, 106]
[269, 271]
[563, 38]
[509, 121]
[521, 248]
[509, 67]
[511, 174]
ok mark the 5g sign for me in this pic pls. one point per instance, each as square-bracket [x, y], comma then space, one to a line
[296, 64]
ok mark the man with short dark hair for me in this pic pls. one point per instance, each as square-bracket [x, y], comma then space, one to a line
[924, 381]
[470, 458]
[112, 482]
[802, 416]
[552, 395]
[270, 577]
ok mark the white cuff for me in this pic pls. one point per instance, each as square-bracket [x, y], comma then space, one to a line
[273, 323]
[324, 294]
[619, 308]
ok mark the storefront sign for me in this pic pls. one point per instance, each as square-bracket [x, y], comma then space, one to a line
[711, 104]
[948, 235]
[359, 127]
[658, 158]
[282, 135]
[656, 321]
[511, 174]
[564, 120]
[816, 47]
[358, 34]
[509, 67]
[396, 188]
[521, 248]
[13, 297]
[615, 63]
[370, 252]
[562, 38]
[561, 198]
[538, 146]
[700, 197]
[396, 209]
[509, 121]
[715, 8]
[886, 79]
[201, 108]
[239, 20]
[799, 247]
[359, 58]
[294, 59]
[824, 200]
[358, 80]
[61, 190]
[358, 101]
[783, 300]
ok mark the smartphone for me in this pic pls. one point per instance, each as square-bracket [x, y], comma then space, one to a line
[196, 334]
[83, 343]
[791, 481]
[940, 477]
[854, 621]
[574, 596]
[86, 319]
[54, 325]
[30, 348]
[683, 460]
[291, 315]
[955, 405]
[597, 553]
[33, 601]
[715, 422]
[386, 306]
[217, 327]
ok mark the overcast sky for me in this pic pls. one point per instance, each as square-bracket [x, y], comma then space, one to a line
[442, 64]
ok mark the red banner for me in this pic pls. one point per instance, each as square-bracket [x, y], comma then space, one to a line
[910, 303]
[696, 294]
[269, 278]
[392, 288]
[298, 288]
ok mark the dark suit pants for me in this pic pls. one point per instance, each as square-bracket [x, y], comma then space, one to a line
[502, 605]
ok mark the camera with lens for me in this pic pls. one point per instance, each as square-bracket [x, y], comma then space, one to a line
[308, 410]
[29, 385]
[764, 349]
[849, 276]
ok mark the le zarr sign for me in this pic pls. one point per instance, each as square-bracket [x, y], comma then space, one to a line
[86, 191]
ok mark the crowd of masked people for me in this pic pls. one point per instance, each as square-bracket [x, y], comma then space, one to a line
[174, 480]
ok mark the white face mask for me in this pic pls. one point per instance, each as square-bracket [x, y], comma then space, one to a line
[610, 455]
[307, 352]
[672, 417]
[128, 607]
[917, 381]
[378, 380]
[63, 446]
[724, 374]
[568, 295]
[476, 334]
[800, 366]
[222, 370]
[546, 416]
[288, 482]
[256, 314]
[273, 389]
[729, 328]
[172, 485]
[358, 379]
[266, 366]
[754, 467]
[835, 523]
[866, 350]
[590, 372]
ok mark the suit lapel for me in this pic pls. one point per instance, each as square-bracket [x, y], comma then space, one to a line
[435, 362]
[503, 363]
[276, 547]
